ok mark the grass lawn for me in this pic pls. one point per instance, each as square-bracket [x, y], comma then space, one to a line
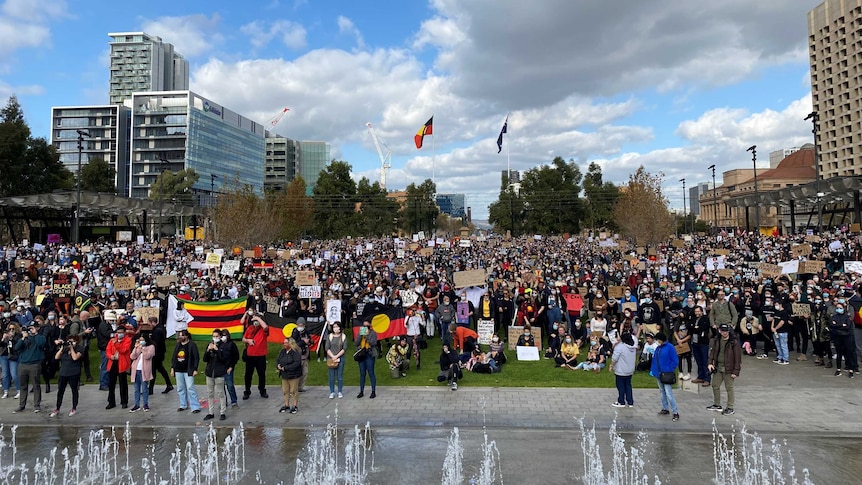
[540, 373]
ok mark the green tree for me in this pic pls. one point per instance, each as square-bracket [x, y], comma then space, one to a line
[28, 165]
[335, 202]
[420, 211]
[600, 198]
[376, 211]
[98, 175]
[174, 186]
[508, 210]
[552, 198]
[642, 211]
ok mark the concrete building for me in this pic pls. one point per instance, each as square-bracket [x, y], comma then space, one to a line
[313, 159]
[796, 169]
[694, 194]
[775, 157]
[108, 127]
[514, 176]
[141, 62]
[452, 204]
[282, 161]
[178, 130]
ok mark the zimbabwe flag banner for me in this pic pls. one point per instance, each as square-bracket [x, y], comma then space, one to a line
[279, 328]
[207, 316]
[387, 322]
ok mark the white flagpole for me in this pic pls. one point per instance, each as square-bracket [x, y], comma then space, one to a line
[508, 163]
[433, 161]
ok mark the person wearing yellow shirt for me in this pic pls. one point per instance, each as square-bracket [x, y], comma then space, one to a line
[568, 356]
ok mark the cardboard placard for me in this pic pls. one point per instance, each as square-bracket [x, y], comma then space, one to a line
[144, 313]
[678, 243]
[615, 291]
[725, 273]
[813, 238]
[630, 305]
[400, 269]
[801, 309]
[800, 250]
[271, 253]
[305, 278]
[146, 256]
[722, 252]
[811, 266]
[20, 289]
[485, 329]
[165, 281]
[213, 259]
[63, 287]
[640, 251]
[229, 267]
[853, 267]
[855, 227]
[248, 253]
[515, 332]
[271, 304]
[463, 279]
[427, 252]
[124, 283]
[769, 270]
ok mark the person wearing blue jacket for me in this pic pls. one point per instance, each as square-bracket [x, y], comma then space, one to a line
[665, 359]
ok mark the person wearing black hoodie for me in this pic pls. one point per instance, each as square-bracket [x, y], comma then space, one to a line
[450, 367]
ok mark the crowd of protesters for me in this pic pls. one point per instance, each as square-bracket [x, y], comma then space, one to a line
[597, 302]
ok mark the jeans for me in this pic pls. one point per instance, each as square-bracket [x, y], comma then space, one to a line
[73, 382]
[445, 338]
[215, 386]
[186, 391]
[701, 355]
[10, 373]
[141, 387]
[229, 385]
[781, 346]
[337, 374]
[624, 390]
[103, 370]
[366, 366]
[667, 400]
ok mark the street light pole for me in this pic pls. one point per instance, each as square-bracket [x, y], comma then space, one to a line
[753, 150]
[814, 126]
[76, 230]
[684, 219]
[714, 197]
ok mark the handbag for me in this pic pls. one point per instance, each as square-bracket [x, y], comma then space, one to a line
[332, 364]
[665, 377]
[360, 355]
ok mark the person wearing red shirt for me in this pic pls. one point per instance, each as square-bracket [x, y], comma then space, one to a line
[119, 355]
[255, 338]
[463, 339]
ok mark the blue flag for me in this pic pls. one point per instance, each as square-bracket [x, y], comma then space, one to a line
[500, 138]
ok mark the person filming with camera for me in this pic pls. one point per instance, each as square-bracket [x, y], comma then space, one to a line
[69, 354]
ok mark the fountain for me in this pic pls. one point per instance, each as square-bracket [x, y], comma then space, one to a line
[320, 466]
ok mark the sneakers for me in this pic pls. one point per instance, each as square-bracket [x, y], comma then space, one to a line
[685, 377]
[801, 357]
[454, 386]
[852, 374]
[727, 411]
[675, 417]
[331, 395]
[134, 408]
[776, 361]
[340, 395]
[618, 404]
[37, 409]
[5, 395]
[714, 407]
[208, 417]
[54, 413]
[838, 373]
[19, 409]
[283, 409]
[762, 357]
[73, 412]
[403, 374]
[664, 412]
[17, 395]
[146, 408]
[294, 410]
[784, 362]
[222, 417]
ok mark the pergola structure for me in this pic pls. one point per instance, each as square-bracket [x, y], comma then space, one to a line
[842, 193]
[58, 207]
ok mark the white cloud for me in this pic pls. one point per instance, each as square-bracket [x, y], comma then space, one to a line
[25, 24]
[260, 34]
[346, 26]
[191, 35]
[27, 90]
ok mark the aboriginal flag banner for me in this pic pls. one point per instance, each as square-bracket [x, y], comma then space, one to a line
[279, 328]
[388, 322]
[210, 315]
[427, 129]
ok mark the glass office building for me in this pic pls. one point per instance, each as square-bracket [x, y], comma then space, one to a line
[451, 204]
[313, 159]
[179, 130]
[282, 159]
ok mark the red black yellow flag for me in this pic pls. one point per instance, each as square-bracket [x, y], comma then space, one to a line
[427, 129]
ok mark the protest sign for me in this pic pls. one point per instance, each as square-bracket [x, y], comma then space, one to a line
[229, 267]
[485, 329]
[309, 292]
[769, 270]
[63, 287]
[305, 278]
[165, 281]
[463, 279]
[214, 259]
[20, 289]
[811, 266]
[124, 283]
[802, 309]
[800, 250]
[615, 291]
[515, 332]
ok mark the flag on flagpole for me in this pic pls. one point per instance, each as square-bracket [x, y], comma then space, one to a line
[500, 138]
[427, 129]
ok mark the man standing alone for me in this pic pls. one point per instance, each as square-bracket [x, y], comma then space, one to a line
[725, 362]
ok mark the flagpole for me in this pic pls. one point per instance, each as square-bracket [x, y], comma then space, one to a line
[433, 161]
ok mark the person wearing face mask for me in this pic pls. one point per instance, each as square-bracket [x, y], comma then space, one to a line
[397, 358]
[184, 366]
[69, 356]
[496, 350]
[648, 316]
[767, 314]
[599, 323]
[158, 338]
[104, 332]
[289, 366]
[567, 356]
[781, 325]
[51, 332]
[255, 338]
[9, 359]
[624, 358]
[119, 352]
[335, 345]
[142, 371]
[217, 362]
[700, 335]
[821, 338]
[366, 339]
[300, 335]
[841, 328]
[526, 338]
[749, 328]
[31, 351]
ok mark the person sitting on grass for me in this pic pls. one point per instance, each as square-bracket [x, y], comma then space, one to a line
[526, 339]
[595, 360]
[450, 367]
[556, 340]
[495, 350]
[397, 357]
[568, 353]
[480, 363]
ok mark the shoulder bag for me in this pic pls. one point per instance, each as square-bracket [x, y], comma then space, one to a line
[665, 377]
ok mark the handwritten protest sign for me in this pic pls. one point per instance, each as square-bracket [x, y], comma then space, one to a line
[769, 270]
[124, 283]
[811, 266]
[305, 278]
[463, 279]
[802, 309]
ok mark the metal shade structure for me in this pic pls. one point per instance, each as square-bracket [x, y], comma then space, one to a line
[101, 203]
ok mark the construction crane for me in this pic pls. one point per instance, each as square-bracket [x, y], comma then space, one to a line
[385, 158]
[275, 119]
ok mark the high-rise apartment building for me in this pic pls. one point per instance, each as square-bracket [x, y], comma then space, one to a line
[835, 54]
[694, 194]
[313, 159]
[107, 128]
[178, 130]
[282, 161]
[141, 62]
[514, 176]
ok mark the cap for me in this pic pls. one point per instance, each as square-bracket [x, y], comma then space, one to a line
[724, 327]
[300, 320]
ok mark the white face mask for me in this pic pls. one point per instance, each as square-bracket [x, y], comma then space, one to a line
[120, 336]
[216, 339]
[224, 339]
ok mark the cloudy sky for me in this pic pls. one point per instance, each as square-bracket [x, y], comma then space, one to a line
[673, 85]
